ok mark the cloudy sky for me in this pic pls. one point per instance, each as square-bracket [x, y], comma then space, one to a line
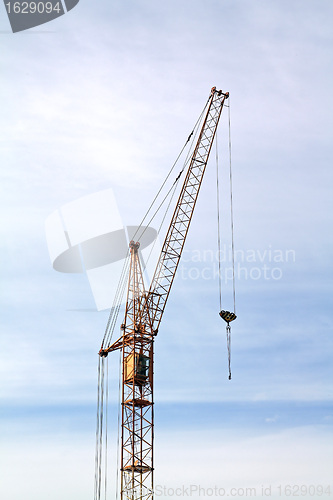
[104, 98]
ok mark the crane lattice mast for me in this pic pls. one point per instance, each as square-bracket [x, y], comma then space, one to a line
[143, 316]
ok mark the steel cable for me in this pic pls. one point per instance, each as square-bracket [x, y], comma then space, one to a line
[99, 429]
[112, 320]
[106, 427]
[118, 435]
[232, 216]
[229, 349]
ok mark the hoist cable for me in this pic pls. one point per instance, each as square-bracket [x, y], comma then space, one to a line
[173, 187]
[118, 295]
[159, 229]
[218, 221]
[172, 168]
[101, 455]
[99, 429]
[123, 279]
[101, 424]
[106, 427]
[159, 191]
[175, 183]
[113, 316]
[116, 312]
[231, 217]
[226, 315]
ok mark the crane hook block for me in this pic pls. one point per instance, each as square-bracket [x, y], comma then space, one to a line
[228, 316]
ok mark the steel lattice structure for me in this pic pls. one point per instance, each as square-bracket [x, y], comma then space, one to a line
[143, 315]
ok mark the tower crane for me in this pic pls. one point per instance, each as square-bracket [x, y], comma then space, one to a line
[143, 314]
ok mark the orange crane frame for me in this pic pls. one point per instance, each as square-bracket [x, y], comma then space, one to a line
[143, 315]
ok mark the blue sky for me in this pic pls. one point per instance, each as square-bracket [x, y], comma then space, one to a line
[104, 97]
